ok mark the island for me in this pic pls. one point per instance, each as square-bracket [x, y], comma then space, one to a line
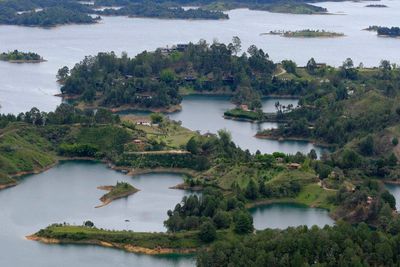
[120, 190]
[21, 57]
[307, 34]
[393, 32]
[209, 69]
[45, 13]
[152, 10]
[376, 5]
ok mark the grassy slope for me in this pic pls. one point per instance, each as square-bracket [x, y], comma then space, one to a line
[23, 150]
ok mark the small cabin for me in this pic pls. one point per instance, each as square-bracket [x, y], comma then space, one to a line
[137, 141]
[294, 166]
[190, 78]
[182, 47]
[143, 96]
[143, 122]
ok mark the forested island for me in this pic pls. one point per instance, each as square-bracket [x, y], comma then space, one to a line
[376, 5]
[156, 80]
[120, 190]
[276, 6]
[21, 57]
[307, 34]
[154, 10]
[385, 31]
[44, 13]
[51, 13]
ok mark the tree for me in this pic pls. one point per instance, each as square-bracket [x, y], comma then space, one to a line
[156, 118]
[222, 219]
[88, 224]
[311, 66]
[103, 116]
[236, 45]
[192, 146]
[243, 222]
[395, 141]
[62, 74]
[208, 232]
[367, 146]
[313, 154]
[251, 190]
[290, 66]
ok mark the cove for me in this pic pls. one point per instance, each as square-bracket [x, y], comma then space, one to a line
[205, 113]
[283, 215]
[68, 193]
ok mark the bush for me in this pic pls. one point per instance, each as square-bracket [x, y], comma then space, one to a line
[395, 141]
[207, 233]
[243, 223]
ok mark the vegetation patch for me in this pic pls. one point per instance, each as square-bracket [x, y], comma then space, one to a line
[120, 190]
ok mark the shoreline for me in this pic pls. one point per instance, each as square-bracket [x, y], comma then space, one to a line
[301, 139]
[125, 108]
[188, 172]
[125, 247]
[21, 61]
[394, 182]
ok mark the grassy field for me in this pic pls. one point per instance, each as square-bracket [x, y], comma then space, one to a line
[314, 196]
[171, 133]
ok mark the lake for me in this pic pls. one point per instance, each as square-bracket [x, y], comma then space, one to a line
[283, 215]
[68, 45]
[68, 193]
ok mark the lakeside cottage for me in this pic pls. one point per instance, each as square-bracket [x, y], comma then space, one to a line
[143, 122]
[294, 166]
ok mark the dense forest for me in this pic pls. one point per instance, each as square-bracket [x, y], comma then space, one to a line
[340, 245]
[157, 79]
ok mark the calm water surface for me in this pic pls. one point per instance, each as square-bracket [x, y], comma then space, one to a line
[205, 113]
[68, 193]
[283, 215]
[25, 85]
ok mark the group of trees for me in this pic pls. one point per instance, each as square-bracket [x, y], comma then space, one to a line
[44, 13]
[155, 10]
[18, 55]
[340, 245]
[391, 32]
[153, 79]
[209, 212]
